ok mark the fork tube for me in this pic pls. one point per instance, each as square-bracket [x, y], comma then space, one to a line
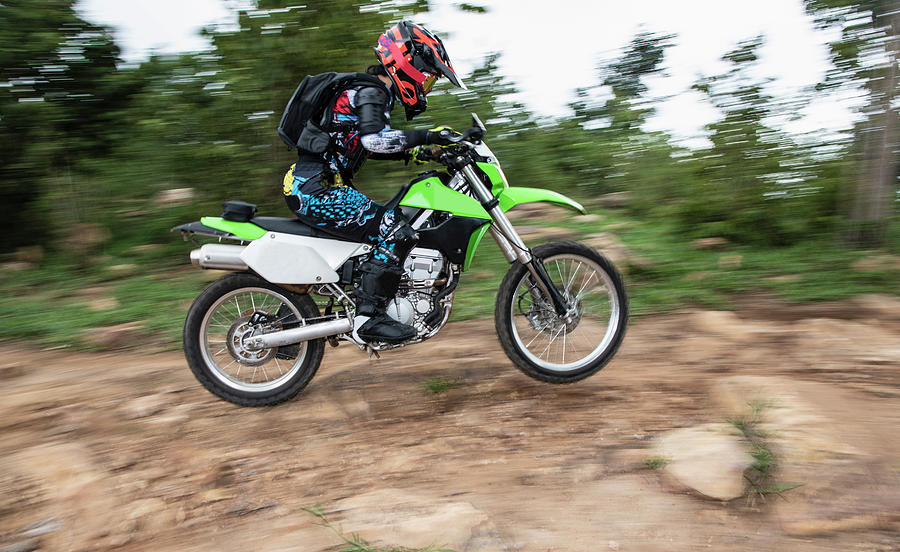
[508, 251]
[517, 247]
[501, 223]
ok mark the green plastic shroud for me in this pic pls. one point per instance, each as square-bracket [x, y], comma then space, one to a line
[431, 193]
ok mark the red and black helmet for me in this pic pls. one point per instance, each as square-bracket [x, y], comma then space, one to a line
[414, 58]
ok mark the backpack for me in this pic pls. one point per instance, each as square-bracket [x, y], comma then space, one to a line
[306, 121]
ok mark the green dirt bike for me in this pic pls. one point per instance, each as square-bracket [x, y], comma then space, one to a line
[256, 336]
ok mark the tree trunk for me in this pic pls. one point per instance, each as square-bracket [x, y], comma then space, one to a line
[876, 184]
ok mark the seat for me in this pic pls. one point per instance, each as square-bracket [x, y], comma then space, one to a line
[288, 225]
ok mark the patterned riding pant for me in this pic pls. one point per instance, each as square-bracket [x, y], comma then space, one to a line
[343, 211]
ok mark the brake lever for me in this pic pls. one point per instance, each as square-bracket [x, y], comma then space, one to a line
[473, 135]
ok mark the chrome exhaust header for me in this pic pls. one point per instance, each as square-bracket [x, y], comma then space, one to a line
[219, 256]
[297, 335]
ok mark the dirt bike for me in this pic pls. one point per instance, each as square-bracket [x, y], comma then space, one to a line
[256, 336]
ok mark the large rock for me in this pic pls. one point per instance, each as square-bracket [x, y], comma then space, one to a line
[710, 459]
[399, 518]
[811, 428]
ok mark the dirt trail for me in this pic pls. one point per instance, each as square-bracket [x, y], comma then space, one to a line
[127, 451]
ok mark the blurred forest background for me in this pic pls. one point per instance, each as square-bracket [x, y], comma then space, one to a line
[101, 158]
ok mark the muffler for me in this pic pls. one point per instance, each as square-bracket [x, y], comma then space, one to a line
[296, 335]
[219, 256]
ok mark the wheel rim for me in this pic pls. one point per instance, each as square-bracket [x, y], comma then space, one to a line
[235, 317]
[568, 344]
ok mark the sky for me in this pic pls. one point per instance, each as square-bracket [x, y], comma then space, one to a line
[548, 49]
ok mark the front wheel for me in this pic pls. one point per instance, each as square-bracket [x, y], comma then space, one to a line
[223, 319]
[562, 349]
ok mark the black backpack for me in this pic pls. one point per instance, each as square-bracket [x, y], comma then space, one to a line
[306, 121]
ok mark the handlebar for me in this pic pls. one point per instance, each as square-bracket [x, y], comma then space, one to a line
[473, 135]
[459, 144]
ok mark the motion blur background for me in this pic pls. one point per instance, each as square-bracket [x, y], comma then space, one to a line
[721, 149]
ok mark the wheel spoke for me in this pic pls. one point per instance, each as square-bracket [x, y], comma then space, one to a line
[563, 345]
[572, 279]
[225, 329]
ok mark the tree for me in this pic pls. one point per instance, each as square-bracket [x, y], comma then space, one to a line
[614, 151]
[739, 192]
[868, 54]
[58, 84]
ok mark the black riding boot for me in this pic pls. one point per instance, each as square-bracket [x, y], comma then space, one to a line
[377, 286]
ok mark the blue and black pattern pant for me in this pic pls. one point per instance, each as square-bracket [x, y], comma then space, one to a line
[324, 202]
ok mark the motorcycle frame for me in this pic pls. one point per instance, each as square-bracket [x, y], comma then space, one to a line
[273, 255]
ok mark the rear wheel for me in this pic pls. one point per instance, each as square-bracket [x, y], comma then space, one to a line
[225, 316]
[563, 349]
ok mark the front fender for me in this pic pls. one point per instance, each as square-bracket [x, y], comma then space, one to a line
[512, 196]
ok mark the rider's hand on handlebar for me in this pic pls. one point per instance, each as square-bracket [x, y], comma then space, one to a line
[442, 136]
[420, 154]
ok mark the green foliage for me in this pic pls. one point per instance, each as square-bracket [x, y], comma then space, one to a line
[59, 85]
[761, 476]
[656, 462]
[439, 385]
[754, 184]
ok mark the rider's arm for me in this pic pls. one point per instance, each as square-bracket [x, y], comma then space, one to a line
[375, 131]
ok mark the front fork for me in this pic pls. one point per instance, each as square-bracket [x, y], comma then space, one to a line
[511, 244]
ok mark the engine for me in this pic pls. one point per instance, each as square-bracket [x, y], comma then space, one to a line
[422, 282]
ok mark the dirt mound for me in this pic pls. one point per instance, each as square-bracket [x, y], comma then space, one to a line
[128, 451]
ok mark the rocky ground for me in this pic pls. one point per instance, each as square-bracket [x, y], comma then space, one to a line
[126, 451]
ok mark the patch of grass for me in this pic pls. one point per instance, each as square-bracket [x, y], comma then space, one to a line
[46, 306]
[656, 462]
[354, 543]
[439, 385]
[761, 479]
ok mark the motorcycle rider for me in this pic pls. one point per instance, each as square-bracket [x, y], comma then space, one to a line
[318, 189]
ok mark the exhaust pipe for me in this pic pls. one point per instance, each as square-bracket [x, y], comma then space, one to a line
[219, 256]
[296, 335]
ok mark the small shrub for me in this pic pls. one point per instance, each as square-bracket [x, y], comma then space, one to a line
[761, 475]
[439, 385]
[656, 462]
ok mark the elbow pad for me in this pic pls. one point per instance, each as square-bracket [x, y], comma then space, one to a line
[371, 105]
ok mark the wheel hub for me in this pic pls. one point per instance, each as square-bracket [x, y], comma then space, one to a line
[237, 342]
[543, 317]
